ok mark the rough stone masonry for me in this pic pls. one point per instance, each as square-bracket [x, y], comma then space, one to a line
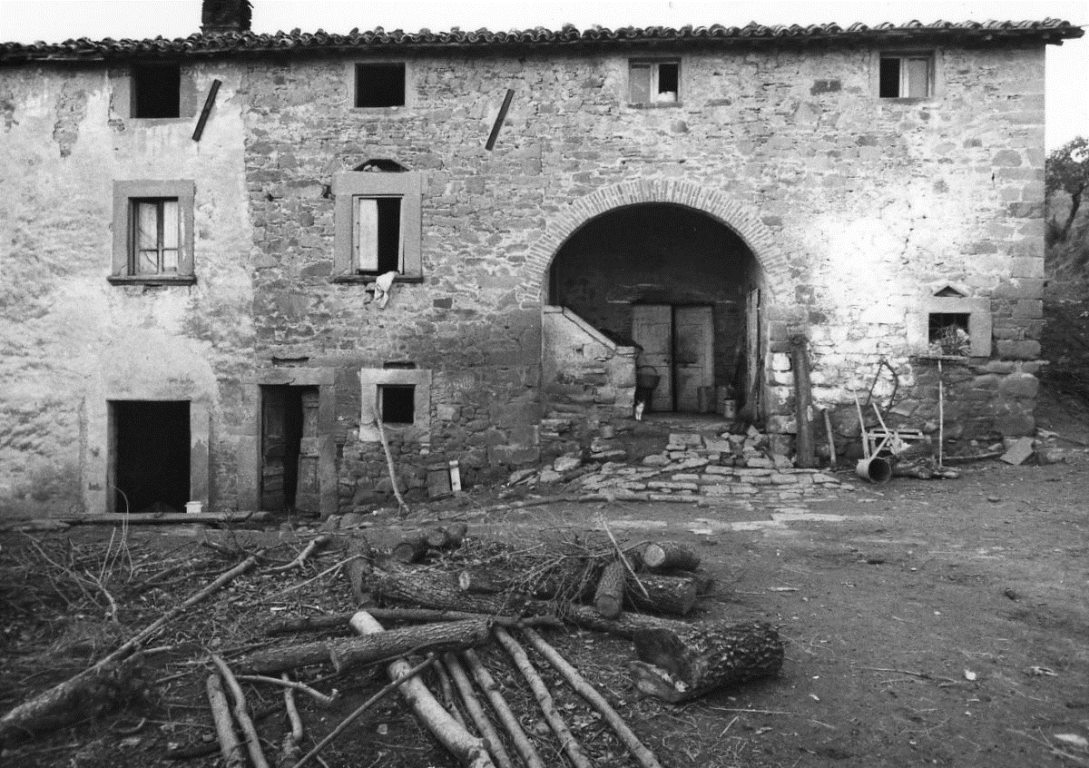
[858, 219]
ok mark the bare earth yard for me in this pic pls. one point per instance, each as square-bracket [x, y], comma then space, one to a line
[926, 623]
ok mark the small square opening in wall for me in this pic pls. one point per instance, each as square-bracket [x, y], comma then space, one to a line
[380, 85]
[156, 90]
[949, 333]
[653, 82]
[397, 403]
[905, 76]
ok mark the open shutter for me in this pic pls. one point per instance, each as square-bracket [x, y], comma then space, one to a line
[366, 234]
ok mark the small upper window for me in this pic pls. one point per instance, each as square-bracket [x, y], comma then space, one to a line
[380, 85]
[653, 82]
[156, 90]
[905, 76]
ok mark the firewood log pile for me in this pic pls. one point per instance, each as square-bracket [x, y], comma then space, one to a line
[458, 624]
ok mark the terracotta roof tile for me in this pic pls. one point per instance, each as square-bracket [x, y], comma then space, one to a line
[249, 43]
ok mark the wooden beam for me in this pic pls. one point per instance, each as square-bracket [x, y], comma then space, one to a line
[499, 119]
[208, 102]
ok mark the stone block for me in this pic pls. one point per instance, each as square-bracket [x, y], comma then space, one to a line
[1020, 385]
[1018, 350]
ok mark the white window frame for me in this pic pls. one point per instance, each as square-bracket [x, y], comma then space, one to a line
[655, 97]
[906, 78]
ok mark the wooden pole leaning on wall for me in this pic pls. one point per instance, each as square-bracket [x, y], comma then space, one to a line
[803, 402]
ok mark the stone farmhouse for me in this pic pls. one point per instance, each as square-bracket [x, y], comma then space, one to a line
[225, 257]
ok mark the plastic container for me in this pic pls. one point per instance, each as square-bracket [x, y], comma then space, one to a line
[194, 507]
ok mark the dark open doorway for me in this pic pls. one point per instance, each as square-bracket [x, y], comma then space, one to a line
[150, 455]
[289, 449]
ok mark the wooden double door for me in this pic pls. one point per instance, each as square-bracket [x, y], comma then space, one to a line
[678, 341]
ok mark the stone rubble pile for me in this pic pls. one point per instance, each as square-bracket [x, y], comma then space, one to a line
[693, 468]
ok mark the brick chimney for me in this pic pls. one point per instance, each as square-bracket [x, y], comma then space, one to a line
[225, 16]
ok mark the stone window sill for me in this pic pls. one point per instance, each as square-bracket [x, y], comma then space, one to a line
[368, 279]
[655, 104]
[152, 280]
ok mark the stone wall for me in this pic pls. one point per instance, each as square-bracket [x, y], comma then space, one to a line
[70, 341]
[854, 208]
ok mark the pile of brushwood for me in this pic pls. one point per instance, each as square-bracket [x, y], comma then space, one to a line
[460, 613]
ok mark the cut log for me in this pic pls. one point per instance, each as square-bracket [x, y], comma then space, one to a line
[462, 744]
[358, 568]
[91, 693]
[486, 581]
[234, 755]
[410, 549]
[440, 590]
[345, 653]
[446, 537]
[678, 666]
[670, 554]
[609, 597]
[674, 595]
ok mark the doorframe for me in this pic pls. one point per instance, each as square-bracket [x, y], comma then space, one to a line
[324, 380]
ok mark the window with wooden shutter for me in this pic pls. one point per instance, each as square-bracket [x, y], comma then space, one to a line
[906, 76]
[377, 225]
[653, 82]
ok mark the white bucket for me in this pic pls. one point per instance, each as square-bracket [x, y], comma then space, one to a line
[194, 507]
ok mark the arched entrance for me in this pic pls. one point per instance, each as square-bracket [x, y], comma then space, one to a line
[678, 285]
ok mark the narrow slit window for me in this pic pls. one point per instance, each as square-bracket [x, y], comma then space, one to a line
[397, 403]
[378, 234]
[653, 82]
[156, 90]
[380, 85]
[904, 77]
[155, 237]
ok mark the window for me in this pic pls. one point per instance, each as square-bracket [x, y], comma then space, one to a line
[397, 403]
[377, 226]
[153, 231]
[401, 397]
[653, 82]
[905, 76]
[380, 85]
[156, 90]
[949, 323]
[948, 333]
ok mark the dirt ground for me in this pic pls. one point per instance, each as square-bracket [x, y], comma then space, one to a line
[926, 623]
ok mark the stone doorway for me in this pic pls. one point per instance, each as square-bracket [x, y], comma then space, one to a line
[149, 455]
[289, 449]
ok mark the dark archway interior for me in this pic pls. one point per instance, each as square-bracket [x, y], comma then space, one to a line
[659, 254]
[152, 454]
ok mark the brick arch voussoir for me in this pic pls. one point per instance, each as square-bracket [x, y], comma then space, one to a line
[741, 219]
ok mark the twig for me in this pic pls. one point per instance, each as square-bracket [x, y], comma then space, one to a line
[229, 745]
[290, 748]
[318, 696]
[621, 555]
[314, 545]
[544, 698]
[386, 689]
[302, 584]
[253, 741]
[111, 612]
[479, 716]
[645, 757]
[921, 675]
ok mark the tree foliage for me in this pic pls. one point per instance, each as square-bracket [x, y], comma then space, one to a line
[1067, 170]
